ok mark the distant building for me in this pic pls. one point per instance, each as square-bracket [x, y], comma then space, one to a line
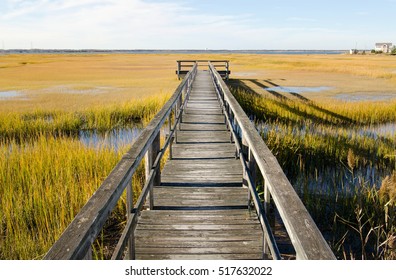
[383, 47]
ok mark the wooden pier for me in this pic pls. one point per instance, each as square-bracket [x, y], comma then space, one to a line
[203, 204]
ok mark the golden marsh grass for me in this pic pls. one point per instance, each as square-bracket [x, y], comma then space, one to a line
[331, 161]
[46, 174]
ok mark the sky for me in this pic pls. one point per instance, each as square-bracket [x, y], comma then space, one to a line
[199, 24]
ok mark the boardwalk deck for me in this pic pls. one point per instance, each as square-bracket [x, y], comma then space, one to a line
[204, 203]
[200, 208]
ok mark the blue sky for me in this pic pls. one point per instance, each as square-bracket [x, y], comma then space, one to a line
[199, 24]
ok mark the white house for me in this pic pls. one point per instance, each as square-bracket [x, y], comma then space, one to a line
[383, 47]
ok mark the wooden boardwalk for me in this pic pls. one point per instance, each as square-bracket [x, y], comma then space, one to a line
[204, 203]
[200, 208]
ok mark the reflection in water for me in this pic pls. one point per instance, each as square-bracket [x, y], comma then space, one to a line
[113, 139]
[298, 89]
[336, 180]
[379, 130]
[9, 94]
[374, 131]
[365, 96]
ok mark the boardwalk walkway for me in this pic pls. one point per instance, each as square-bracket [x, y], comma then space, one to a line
[204, 203]
[200, 208]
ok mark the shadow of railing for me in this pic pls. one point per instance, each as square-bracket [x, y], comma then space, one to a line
[336, 120]
[339, 119]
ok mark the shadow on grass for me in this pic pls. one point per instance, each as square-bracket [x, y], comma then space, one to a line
[340, 141]
[339, 119]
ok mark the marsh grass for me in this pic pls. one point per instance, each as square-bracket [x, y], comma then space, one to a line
[43, 185]
[47, 174]
[29, 126]
[335, 168]
[377, 67]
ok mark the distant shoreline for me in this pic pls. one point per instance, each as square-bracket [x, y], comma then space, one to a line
[148, 51]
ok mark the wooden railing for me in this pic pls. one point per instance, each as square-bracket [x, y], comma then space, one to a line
[306, 238]
[76, 241]
[222, 67]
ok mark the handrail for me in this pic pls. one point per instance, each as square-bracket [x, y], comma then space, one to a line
[224, 73]
[129, 229]
[268, 234]
[75, 242]
[306, 238]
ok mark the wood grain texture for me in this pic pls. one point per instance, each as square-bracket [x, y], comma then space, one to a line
[200, 208]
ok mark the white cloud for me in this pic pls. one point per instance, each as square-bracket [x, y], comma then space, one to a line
[109, 24]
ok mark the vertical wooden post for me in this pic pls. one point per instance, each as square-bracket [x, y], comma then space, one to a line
[178, 69]
[267, 197]
[129, 205]
[231, 116]
[178, 105]
[245, 151]
[227, 67]
[267, 200]
[88, 255]
[169, 135]
[252, 169]
[151, 155]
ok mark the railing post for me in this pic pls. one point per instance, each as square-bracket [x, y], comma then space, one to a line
[245, 152]
[175, 132]
[227, 67]
[267, 197]
[266, 204]
[88, 255]
[178, 106]
[129, 208]
[169, 135]
[252, 169]
[151, 155]
[178, 69]
[225, 112]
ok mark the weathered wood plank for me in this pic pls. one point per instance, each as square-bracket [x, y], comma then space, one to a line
[217, 235]
[202, 127]
[238, 256]
[205, 176]
[198, 251]
[230, 213]
[203, 137]
[195, 236]
[253, 244]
